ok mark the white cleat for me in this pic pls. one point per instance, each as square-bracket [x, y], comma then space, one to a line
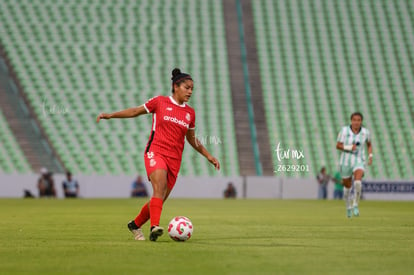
[137, 232]
[138, 235]
[356, 211]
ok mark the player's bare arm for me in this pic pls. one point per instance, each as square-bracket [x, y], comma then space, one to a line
[342, 147]
[369, 145]
[196, 144]
[127, 113]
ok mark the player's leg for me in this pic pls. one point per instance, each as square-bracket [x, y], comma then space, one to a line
[141, 218]
[346, 174]
[347, 183]
[152, 163]
[169, 177]
[135, 225]
[152, 209]
[358, 174]
[143, 215]
[159, 186]
[167, 194]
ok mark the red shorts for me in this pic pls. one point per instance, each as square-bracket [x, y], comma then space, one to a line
[154, 161]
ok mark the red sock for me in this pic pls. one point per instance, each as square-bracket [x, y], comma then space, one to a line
[155, 207]
[143, 216]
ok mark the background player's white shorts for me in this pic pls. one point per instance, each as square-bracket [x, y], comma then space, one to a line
[347, 171]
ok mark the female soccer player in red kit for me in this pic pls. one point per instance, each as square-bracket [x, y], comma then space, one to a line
[172, 121]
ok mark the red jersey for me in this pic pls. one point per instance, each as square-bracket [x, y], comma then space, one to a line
[170, 122]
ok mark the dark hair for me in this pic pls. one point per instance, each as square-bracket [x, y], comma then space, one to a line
[178, 77]
[175, 73]
[357, 114]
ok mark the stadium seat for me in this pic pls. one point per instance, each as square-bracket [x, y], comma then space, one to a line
[99, 56]
[12, 159]
[309, 64]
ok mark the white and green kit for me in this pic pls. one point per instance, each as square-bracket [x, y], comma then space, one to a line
[350, 161]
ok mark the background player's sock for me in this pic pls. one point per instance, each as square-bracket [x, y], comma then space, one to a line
[155, 206]
[143, 216]
[357, 192]
[347, 197]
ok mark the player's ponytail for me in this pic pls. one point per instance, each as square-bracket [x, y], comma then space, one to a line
[175, 73]
[178, 77]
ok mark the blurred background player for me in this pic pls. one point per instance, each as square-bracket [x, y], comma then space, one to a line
[70, 186]
[351, 141]
[138, 188]
[338, 187]
[172, 121]
[323, 180]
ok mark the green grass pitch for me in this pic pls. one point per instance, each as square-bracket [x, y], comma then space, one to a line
[90, 236]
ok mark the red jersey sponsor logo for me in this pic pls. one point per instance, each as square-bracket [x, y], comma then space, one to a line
[175, 120]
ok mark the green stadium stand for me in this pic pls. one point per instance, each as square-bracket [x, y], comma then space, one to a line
[75, 59]
[322, 60]
[319, 61]
[12, 159]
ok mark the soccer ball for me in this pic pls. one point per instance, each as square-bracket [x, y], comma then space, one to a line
[180, 229]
